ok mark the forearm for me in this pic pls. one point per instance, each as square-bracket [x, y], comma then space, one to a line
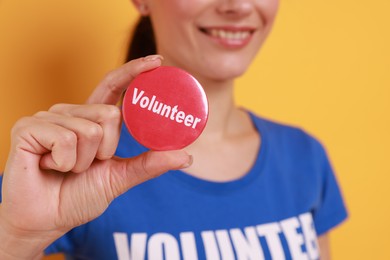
[323, 243]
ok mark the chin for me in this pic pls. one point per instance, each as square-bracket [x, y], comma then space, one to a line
[215, 67]
[227, 66]
[226, 71]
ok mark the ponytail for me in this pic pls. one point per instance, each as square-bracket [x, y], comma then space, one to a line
[142, 43]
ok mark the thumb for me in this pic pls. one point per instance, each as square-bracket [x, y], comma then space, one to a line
[130, 172]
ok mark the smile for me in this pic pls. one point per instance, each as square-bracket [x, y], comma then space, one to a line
[224, 34]
[229, 37]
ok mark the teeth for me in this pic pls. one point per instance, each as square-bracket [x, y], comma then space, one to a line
[229, 34]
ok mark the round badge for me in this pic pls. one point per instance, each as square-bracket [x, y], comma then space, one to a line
[165, 108]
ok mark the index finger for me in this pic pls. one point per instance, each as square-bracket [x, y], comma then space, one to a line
[112, 86]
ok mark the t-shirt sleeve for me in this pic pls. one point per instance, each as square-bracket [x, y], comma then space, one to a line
[331, 209]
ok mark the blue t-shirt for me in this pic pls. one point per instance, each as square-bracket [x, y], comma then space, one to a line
[276, 211]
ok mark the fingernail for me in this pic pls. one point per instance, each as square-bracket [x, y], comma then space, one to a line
[189, 162]
[153, 57]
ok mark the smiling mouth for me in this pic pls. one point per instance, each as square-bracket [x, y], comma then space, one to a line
[228, 34]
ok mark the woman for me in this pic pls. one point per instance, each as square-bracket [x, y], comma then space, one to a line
[255, 189]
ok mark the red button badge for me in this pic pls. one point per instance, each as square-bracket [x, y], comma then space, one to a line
[165, 108]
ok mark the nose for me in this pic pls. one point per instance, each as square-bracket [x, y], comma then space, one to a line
[235, 8]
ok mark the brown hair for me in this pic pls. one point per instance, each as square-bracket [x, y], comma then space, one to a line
[142, 42]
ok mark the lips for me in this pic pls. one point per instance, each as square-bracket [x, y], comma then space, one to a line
[229, 36]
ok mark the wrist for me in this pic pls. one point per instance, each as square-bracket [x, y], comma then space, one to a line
[19, 244]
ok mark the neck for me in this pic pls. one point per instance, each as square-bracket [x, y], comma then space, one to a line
[224, 117]
[222, 109]
[228, 146]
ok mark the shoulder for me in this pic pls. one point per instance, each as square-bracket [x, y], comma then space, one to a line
[287, 136]
[292, 149]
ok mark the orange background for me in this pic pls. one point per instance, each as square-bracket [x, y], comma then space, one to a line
[325, 67]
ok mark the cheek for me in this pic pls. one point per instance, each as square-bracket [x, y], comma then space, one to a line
[172, 23]
[169, 16]
[269, 9]
[174, 9]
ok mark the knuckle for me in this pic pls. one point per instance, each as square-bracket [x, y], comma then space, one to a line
[144, 164]
[133, 63]
[109, 75]
[57, 107]
[143, 169]
[112, 112]
[106, 113]
[41, 114]
[93, 132]
[20, 125]
[109, 79]
[67, 139]
[112, 82]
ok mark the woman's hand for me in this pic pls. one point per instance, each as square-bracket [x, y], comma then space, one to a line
[61, 172]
